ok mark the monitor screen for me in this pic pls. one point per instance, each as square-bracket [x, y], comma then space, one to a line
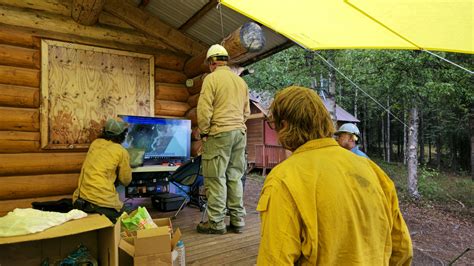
[164, 139]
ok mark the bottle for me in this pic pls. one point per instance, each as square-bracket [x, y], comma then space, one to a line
[181, 253]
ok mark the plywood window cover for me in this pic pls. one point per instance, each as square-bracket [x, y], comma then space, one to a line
[144, 107]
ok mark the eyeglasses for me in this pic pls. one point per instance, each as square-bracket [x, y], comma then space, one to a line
[270, 122]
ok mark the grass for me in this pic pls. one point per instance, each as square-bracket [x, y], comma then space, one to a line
[450, 191]
[444, 189]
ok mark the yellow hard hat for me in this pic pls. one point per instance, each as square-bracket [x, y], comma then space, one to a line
[216, 50]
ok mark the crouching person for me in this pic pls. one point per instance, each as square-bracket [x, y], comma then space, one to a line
[106, 162]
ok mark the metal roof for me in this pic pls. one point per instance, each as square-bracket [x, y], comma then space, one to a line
[211, 28]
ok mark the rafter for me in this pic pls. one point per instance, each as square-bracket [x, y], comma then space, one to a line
[153, 26]
[198, 15]
[86, 12]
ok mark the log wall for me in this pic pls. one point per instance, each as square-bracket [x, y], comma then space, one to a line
[28, 173]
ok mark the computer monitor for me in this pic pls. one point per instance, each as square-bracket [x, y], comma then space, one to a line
[165, 140]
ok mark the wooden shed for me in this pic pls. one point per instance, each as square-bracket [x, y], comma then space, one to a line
[66, 65]
[264, 151]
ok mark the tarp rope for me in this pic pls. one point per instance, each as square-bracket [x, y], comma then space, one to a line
[359, 88]
[444, 59]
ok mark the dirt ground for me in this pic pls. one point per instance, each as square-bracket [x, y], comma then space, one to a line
[439, 236]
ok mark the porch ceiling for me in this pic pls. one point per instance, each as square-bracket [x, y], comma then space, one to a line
[201, 20]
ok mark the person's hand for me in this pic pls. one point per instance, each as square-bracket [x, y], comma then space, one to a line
[204, 137]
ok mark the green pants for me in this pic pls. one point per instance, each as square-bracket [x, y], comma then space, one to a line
[223, 164]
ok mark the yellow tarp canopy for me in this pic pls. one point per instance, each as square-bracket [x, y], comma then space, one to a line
[441, 25]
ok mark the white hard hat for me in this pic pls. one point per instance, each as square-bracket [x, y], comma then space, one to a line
[216, 50]
[349, 128]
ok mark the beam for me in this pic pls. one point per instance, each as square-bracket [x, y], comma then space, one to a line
[248, 38]
[43, 21]
[198, 15]
[86, 12]
[153, 26]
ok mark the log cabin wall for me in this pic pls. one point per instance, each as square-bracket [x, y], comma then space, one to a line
[28, 173]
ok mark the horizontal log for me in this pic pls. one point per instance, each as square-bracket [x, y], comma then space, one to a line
[62, 7]
[170, 108]
[19, 56]
[9, 35]
[193, 100]
[86, 12]
[192, 115]
[197, 84]
[34, 186]
[19, 96]
[17, 142]
[40, 163]
[40, 20]
[168, 60]
[9, 205]
[165, 59]
[19, 119]
[169, 76]
[19, 76]
[171, 92]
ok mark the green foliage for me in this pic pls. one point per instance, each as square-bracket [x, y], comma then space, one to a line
[428, 184]
[434, 186]
[443, 93]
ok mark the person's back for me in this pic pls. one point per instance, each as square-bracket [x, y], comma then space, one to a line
[98, 173]
[324, 205]
[346, 207]
[229, 96]
[106, 164]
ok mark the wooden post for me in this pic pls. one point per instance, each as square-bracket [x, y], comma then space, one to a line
[248, 38]
[86, 12]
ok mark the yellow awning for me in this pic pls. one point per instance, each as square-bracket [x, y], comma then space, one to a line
[442, 25]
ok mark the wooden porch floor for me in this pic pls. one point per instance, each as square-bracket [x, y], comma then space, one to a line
[228, 249]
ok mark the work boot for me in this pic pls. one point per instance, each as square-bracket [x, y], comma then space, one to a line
[235, 229]
[205, 228]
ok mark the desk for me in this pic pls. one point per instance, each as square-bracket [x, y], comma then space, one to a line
[154, 168]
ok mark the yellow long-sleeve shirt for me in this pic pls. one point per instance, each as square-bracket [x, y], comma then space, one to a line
[325, 205]
[223, 103]
[105, 162]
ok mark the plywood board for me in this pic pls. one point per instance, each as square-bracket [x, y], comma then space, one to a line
[82, 86]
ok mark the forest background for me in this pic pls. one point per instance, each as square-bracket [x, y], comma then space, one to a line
[383, 88]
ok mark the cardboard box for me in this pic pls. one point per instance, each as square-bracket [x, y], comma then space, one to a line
[150, 246]
[95, 231]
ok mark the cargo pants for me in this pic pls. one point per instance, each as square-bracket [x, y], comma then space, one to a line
[223, 164]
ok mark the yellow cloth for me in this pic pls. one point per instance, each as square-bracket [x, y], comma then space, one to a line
[224, 102]
[367, 24]
[324, 205]
[105, 159]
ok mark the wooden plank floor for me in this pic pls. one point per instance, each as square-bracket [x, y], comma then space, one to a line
[228, 249]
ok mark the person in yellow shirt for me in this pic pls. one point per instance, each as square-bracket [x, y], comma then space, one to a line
[106, 162]
[222, 110]
[324, 205]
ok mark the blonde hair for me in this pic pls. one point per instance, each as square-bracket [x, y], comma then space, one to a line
[305, 115]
